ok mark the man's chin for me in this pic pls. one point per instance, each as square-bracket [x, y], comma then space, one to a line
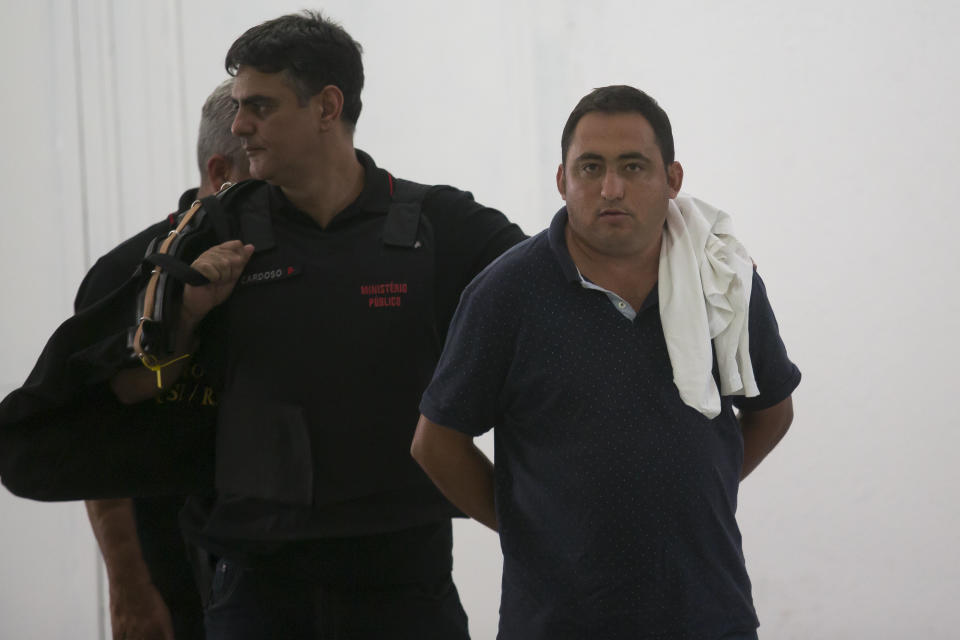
[258, 171]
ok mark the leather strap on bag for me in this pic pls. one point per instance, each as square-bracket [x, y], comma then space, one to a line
[165, 264]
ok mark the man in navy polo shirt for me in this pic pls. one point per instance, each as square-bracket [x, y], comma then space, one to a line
[615, 499]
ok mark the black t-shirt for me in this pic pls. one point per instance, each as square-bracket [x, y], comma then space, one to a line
[311, 378]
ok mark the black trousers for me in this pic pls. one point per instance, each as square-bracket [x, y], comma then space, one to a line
[256, 604]
[393, 585]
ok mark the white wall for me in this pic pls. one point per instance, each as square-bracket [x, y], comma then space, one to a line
[826, 128]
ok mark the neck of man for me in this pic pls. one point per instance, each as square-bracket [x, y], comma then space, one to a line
[631, 275]
[332, 181]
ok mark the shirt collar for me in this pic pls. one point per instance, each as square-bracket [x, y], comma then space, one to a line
[376, 196]
[187, 199]
[558, 244]
[377, 187]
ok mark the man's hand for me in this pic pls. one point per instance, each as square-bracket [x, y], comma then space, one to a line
[222, 265]
[138, 612]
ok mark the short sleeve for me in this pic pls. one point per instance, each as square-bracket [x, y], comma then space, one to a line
[465, 393]
[469, 236]
[776, 375]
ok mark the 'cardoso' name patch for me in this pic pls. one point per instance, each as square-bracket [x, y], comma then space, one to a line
[268, 275]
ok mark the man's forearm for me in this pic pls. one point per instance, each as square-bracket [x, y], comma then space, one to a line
[116, 532]
[140, 383]
[137, 610]
[458, 468]
[762, 430]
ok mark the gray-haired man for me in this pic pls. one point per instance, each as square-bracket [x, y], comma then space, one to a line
[152, 592]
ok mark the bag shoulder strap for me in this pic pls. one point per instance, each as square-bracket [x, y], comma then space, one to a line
[230, 216]
[246, 218]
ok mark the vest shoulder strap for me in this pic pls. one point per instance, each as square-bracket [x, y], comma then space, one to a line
[402, 226]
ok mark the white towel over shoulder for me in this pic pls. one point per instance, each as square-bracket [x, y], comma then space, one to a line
[705, 279]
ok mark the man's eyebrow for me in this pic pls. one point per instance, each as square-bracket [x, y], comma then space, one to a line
[254, 99]
[630, 155]
[588, 156]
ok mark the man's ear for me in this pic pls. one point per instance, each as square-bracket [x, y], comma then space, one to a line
[218, 170]
[675, 178]
[327, 106]
[561, 182]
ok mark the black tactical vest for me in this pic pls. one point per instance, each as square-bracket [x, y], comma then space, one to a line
[327, 347]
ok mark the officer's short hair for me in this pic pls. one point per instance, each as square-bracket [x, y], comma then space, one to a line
[216, 117]
[622, 99]
[310, 50]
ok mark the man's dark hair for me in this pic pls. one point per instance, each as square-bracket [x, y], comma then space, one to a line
[310, 50]
[622, 99]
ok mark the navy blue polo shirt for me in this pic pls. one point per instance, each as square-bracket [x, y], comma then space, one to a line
[616, 502]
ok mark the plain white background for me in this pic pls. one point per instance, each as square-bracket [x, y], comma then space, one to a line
[827, 129]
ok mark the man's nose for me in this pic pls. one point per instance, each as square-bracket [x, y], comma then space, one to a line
[612, 187]
[241, 126]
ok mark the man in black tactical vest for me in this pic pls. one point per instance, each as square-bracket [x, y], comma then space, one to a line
[323, 327]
